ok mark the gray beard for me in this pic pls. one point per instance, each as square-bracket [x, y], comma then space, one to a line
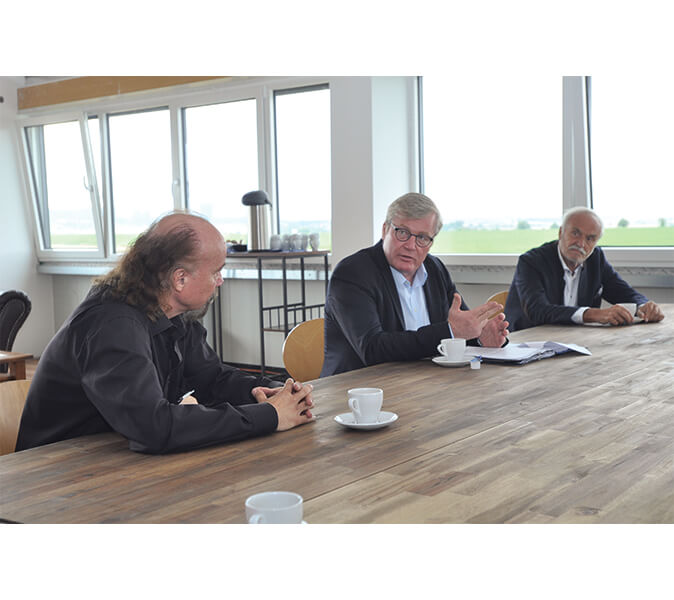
[199, 313]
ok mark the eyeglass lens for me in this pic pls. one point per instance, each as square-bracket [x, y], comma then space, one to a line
[403, 235]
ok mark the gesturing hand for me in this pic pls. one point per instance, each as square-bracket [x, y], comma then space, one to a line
[495, 332]
[469, 324]
[292, 403]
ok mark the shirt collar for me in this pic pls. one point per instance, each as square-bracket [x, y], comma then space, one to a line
[419, 280]
[163, 323]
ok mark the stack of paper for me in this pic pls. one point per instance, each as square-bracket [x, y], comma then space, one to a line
[525, 352]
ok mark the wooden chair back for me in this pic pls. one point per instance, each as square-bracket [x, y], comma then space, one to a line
[303, 351]
[12, 400]
[499, 297]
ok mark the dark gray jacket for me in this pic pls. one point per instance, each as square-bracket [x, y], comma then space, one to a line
[110, 368]
[536, 294]
[364, 322]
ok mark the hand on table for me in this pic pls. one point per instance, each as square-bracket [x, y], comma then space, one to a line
[293, 403]
[468, 324]
[613, 315]
[650, 312]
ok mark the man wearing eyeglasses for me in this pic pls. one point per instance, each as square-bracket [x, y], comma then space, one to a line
[395, 302]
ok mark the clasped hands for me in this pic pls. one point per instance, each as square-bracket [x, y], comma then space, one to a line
[293, 402]
[475, 323]
[619, 315]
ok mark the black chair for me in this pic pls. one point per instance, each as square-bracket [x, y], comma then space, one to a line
[14, 310]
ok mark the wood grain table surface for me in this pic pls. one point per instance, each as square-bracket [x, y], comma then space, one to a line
[16, 362]
[570, 439]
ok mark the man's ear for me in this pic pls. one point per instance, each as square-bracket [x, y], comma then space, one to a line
[383, 230]
[178, 279]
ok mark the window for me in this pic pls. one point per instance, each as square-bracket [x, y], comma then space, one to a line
[198, 148]
[492, 161]
[62, 188]
[221, 163]
[631, 132]
[140, 167]
[302, 119]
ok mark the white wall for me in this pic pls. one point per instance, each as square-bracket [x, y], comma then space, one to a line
[16, 234]
[372, 157]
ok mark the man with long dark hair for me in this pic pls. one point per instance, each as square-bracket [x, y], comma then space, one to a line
[134, 348]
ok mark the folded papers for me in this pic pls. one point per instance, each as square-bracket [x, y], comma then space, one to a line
[525, 352]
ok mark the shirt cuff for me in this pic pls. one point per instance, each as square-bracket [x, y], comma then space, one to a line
[577, 317]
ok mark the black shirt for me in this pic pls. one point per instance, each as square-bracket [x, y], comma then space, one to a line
[110, 368]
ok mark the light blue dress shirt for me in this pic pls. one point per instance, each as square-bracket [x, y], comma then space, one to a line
[412, 298]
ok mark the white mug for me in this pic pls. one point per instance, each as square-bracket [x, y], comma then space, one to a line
[274, 507]
[365, 403]
[314, 239]
[295, 241]
[275, 242]
[631, 307]
[452, 348]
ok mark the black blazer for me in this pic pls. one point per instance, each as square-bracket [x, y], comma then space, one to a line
[364, 322]
[536, 293]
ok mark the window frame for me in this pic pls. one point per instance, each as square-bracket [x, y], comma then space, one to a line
[662, 256]
[43, 253]
[286, 91]
[576, 183]
[261, 89]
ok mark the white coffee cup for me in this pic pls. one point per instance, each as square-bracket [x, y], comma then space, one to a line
[631, 307]
[452, 348]
[365, 403]
[274, 507]
[295, 241]
[275, 242]
[314, 240]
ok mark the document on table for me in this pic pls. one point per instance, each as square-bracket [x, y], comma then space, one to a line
[524, 352]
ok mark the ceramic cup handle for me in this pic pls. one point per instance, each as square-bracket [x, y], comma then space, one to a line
[353, 405]
[441, 350]
[256, 519]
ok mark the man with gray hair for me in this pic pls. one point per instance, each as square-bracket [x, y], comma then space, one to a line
[395, 302]
[563, 282]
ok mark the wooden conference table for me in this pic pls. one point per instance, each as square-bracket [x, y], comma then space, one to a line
[573, 438]
[16, 362]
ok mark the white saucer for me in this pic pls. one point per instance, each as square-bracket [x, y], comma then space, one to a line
[443, 362]
[385, 419]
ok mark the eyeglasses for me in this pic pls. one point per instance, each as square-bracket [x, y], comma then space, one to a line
[402, 235]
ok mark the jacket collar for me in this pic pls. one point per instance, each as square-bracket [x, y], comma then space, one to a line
[389, 284]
